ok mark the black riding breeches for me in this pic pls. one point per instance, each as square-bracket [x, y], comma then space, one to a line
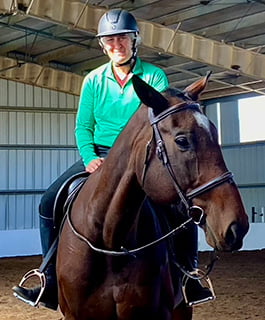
[47, 232]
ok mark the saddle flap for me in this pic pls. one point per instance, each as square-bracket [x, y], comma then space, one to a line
[66, 195]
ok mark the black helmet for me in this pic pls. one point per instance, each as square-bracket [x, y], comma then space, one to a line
[117, 21]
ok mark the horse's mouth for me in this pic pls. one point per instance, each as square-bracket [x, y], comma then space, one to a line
[234, 236]
[232, 241]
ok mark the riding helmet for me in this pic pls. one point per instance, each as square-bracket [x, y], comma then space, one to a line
[117, 21]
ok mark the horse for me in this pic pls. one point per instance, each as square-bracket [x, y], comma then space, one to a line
[112, 260]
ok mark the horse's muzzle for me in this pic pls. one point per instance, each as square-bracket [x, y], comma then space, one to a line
[234, 236]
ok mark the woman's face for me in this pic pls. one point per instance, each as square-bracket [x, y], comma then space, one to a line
[118, 47]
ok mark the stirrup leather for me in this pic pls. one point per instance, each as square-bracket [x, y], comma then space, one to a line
[198, 275]
[42, 278]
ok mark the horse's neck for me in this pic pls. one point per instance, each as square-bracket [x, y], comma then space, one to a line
[115, 195]
[122, 210]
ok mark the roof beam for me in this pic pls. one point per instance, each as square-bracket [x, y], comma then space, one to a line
[77, 15]
[252, 21]
[197, 11]
[41, 76]
[161, 38]
[203, 50]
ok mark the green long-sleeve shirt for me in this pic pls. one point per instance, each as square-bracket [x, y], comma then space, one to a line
[105, 108]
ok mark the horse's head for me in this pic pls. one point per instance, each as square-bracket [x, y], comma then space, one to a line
[184, 163]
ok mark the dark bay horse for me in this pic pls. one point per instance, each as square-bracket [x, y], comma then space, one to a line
[169, 152]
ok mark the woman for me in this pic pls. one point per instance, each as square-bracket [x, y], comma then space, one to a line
[107, 102]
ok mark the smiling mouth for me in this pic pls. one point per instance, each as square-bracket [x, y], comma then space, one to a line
[120, 53]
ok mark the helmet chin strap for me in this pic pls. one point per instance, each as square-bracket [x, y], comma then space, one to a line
[131, 62]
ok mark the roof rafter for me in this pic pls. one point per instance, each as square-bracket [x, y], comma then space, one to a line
[79, 16]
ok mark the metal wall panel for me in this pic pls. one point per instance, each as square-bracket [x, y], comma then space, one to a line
[3, 92]
[247, 164]
[33, 169]
[36, 145]
[29, 127]
[229, 122]
[19, 211]
[254, 199]
[246, 161]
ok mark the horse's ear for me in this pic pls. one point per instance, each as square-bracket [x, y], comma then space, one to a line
[195, 89]
[149, 96]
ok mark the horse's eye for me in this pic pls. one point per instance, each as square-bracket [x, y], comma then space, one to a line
[182, 142]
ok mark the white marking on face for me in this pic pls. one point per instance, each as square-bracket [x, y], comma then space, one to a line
[203, 122]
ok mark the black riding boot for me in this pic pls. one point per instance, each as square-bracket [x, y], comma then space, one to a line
[187, 254]
[185, 249]
[195, 292]
[49, 297]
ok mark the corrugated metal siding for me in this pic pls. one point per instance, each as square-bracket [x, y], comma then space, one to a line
[254, 197]
[19, 211]
[36, 145]
[229, 122]
[247, 164]
[246, 161]
[36, 128]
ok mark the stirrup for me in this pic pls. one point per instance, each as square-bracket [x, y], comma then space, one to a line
[42, 278]
[207, 283]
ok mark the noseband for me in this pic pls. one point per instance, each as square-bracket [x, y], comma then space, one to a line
[195, 212]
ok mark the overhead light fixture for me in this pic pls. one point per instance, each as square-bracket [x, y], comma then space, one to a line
[235, 66]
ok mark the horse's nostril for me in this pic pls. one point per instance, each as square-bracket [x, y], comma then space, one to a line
[234, 237]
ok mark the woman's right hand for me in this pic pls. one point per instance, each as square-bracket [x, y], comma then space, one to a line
[94, 165]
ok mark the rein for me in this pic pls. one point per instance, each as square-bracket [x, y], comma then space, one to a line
[123, 251]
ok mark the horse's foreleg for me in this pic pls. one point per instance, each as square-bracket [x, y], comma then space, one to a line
[182, 312]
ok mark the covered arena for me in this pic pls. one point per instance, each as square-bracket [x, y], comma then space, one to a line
[238, 280]
[46, 49]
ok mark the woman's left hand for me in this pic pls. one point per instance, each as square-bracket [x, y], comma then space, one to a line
[94, 165]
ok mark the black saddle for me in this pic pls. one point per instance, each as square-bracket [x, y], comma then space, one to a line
[66, 195]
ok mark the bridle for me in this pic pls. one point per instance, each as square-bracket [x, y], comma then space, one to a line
[195, 212]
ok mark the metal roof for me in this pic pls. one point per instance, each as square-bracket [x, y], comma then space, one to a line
[52, 43]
